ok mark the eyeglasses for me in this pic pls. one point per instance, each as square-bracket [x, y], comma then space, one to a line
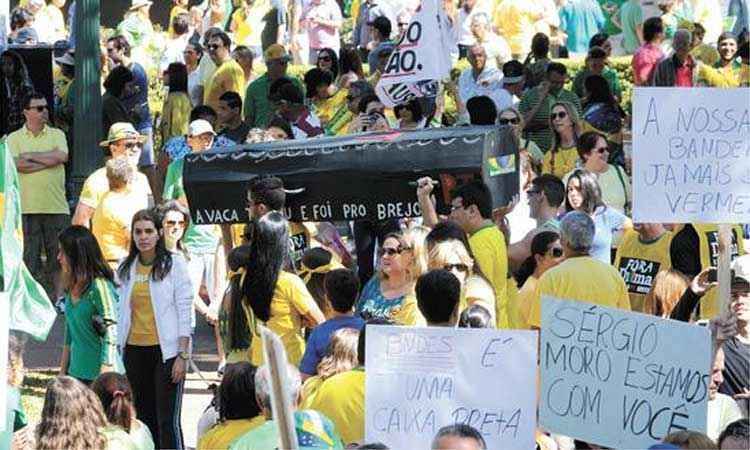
[514, 121]
[390, 251]
[38, 108]
[174, 223]
[601, 150]
[558, 115]
[463, 268]
[556, 252]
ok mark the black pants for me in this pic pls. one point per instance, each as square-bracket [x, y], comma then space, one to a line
[158, 401]
[366, 234]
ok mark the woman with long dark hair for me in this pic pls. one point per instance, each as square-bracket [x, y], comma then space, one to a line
[90, 307]
[601, 110]
[156, 300]
[277, 299]
[565, 124]
[177, 106]
[233, 313]
[585, 195]
[116, 396]
[546, 253]
[329, 61]
[350, 66]
[17, 85]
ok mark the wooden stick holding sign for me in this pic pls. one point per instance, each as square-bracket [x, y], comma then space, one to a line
[281, 402]
[723, 272]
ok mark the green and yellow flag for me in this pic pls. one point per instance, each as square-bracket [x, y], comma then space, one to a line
[30, 308]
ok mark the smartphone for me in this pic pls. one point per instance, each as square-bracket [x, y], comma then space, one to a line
[712, 277]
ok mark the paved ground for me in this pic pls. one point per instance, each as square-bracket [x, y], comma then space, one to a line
[40, 356]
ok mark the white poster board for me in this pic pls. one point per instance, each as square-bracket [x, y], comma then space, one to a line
[620, 379]
[691, 155]
[421, 379]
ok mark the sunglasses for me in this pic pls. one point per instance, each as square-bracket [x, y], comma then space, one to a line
[601, 150]
[556, 252]
[38, 108]
[174, 223]
[213, 46]
[390, 251]
[514, 121]
[533, 192]
[463, 268]
[559, 115]
[324, 58]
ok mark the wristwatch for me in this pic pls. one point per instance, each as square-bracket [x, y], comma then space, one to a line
[184, 355]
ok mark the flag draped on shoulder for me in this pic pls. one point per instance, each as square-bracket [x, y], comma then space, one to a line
[30, 308]
[421, 58]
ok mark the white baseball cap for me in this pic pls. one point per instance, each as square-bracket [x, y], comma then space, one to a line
[741, 268]
[200, 126]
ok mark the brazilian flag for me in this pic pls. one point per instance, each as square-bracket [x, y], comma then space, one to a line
[30, 308]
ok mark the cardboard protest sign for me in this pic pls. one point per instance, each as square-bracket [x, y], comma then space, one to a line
[421, 379]
[620, 379]
[691, 155]
[281, 401]
[368, 176]
[421, 57]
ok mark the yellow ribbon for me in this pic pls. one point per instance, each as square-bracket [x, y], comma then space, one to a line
[306, 273]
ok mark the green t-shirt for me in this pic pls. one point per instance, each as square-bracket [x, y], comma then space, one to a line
[611, 9]
[197, 238]
[89, 351]
[257, 109]
[631, 16]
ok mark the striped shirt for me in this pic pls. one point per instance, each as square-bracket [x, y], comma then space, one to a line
[89, 351]
[543, 137]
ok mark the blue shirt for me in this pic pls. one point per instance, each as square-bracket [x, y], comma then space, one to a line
[138, 101]
[177, 146]
[320, 337]
[607, 222]
[580, 20]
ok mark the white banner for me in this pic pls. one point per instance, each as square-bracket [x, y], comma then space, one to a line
[691, 155]
[620, 379]
[421, 58]
[421, 379]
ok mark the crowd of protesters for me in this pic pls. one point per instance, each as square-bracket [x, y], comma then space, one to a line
[132, 273]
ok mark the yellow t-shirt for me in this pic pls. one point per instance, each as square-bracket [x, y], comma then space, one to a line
[221, 435]
[325, 109]
[310, 389]
[228, 77]
[110, 223]
[522, 305]
[42, 192]
[341, 398]
[291, 300]
[96, 186]
[143, 330]
[584, 279]
[638, 264]
[490, 252]
[564, 162]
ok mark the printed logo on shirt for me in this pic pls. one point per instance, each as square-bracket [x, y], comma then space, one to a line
[713, 247]
[638, 274]
[299, 244]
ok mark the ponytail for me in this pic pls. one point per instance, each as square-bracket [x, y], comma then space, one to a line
[116, 396]
[539, 246]
[120, 411]
[526, 269]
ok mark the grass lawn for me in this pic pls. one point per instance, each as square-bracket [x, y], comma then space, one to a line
[32, 392]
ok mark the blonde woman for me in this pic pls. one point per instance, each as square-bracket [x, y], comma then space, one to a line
[342, 357]
[453, 256]
[566, 126]
[666, 290]
[390, 292]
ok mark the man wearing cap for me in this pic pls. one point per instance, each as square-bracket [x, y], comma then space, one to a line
[257, 105]
[736, 349]
[514, 78]
[40, 153]
[228, 76]
[123, 141]
[137, 26]
[201, 241]
[291, 106]
[64, 91]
